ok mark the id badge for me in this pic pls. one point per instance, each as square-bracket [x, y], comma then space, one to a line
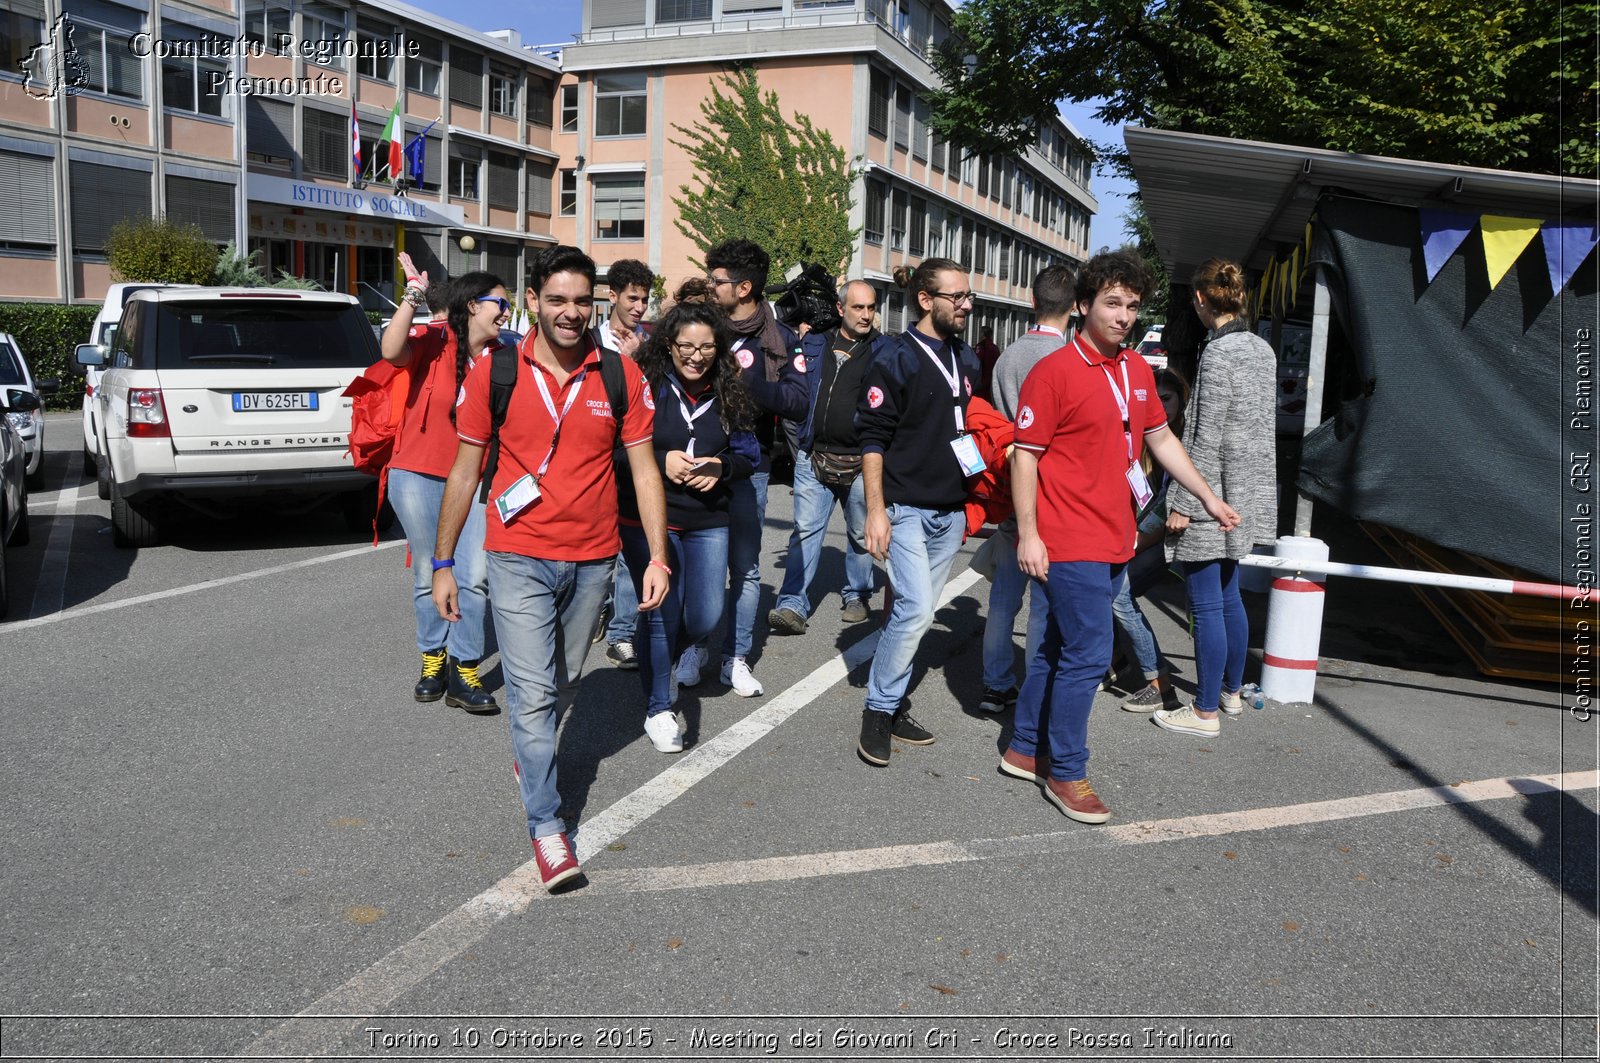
[516, 498]
[966, 449]
[1140, 484]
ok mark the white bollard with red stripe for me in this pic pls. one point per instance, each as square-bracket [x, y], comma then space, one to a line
[1294, 624]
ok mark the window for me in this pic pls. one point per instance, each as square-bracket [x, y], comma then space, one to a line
[569, 193]
[880, 88]
[100, 33]
[619, 105]
[464, 173]
[897, 220]
[27, 201]
[375, 52]
[101, 197]
[919, 129]
[268, 23]
[935, 235]
[1007, 172]
[21, 31]
[968, 232]
[569, 108]
[208, 204]
[619, 208]
[937, 153]
[505, 177]
[503, 93]
[540, 175]
[325, 142]
[323, 23]
[980, 250]
[683, 10]
[423, 70]
[874, 219]
[897, 312]
[432, 162]
[918, 227]
[1005, 257]
[466, 78]
[541, 92]
[501, 260]
[192, 84]
[902, 117]
[269, 131]
[983, 176]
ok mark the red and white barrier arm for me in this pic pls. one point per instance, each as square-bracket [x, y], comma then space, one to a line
[1428, 579]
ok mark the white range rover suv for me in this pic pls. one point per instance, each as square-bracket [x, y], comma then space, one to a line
[211, 395]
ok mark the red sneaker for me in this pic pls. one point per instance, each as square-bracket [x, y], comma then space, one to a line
[555, 859]
[1019, 766]
[1077, 800]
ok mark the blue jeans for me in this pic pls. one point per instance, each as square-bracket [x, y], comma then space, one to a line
[624, 603]
[415, 498]
[1059, 691]
[1221, 630]
[922, 547]
[691, 610]
[813, 508]
[545, 614]
[747, 518]
[1005, 602]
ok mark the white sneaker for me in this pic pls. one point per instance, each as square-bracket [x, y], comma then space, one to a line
[1231, 704]
[737, 674]
[689, 665]
[662, 729]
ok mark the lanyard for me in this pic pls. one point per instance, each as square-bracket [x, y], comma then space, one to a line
[952, 376]
[1046, 330]
[1120, 396]
[574, 387]
[683, 406]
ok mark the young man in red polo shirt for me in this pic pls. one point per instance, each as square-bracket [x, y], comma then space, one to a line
[552, 532]
[1086, 414]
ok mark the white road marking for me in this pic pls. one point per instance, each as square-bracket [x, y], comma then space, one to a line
[50, 592]
[374, 989]
[193, 588]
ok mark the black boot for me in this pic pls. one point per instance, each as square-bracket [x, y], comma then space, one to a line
[465, 691]
[431, 686]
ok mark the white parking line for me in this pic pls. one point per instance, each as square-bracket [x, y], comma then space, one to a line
[50, 591]
[193, 588]
[374, 989]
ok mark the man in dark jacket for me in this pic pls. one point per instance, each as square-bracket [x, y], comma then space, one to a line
[835, 368]
[916, 460]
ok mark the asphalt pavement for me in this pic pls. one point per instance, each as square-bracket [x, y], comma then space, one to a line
[230, 832]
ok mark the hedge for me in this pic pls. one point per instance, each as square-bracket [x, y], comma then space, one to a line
[48, 333]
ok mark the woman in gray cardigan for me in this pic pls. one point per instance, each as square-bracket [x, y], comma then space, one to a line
[1229, 432]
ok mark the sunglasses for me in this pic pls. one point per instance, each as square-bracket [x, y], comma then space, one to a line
[499, 300]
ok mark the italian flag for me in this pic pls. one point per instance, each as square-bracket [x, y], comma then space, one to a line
[392, 144]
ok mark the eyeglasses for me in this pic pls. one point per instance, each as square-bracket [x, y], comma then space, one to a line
[956, 298]
[499, 300]
[717, 282]
[690, 349]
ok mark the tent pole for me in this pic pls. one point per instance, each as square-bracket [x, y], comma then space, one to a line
[1315, 371]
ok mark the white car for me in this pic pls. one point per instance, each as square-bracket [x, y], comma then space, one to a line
[13, 494]
[26, 417]
[212, 395]
[100, 333]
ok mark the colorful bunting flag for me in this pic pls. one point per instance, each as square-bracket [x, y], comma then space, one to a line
[1442, 232]
[1503, 240]
[1565, 248]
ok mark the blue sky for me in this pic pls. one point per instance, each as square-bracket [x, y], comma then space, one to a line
[556, 21]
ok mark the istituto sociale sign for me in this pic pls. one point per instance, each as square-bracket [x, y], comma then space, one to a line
[367, 202]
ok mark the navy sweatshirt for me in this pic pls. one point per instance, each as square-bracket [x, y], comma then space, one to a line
[787, 397]
[688, 509]
[907, 414]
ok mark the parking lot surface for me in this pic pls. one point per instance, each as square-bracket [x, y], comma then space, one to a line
[230, 831]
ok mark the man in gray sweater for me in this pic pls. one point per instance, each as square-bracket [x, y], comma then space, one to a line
[1052, 306]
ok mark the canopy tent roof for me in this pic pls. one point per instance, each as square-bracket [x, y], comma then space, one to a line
[1245, 200]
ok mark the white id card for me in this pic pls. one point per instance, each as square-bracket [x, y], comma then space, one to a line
[516, 498]
[1141, 486]
[966, 449]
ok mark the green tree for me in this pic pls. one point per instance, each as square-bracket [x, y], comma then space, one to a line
[1473, 82]
[234, 270]
[784, 184]
[160, 251]
[1136, 224]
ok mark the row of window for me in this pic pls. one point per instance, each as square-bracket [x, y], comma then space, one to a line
[923, 230]
[100, 195]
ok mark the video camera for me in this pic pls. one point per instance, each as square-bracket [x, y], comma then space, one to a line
[810, 296]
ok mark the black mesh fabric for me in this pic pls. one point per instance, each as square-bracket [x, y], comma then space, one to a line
[1459, 422]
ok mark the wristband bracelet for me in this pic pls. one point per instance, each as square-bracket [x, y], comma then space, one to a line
[415, 296]
[448, 562]
[662, 565]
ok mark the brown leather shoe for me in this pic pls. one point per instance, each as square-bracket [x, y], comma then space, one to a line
[1018, 766]
[1077, 800]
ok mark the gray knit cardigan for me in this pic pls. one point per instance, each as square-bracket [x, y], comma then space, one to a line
[1230, 434]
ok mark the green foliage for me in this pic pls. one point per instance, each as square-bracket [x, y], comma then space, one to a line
[48, 333]
[658, 295]
[1474, 82]
[1136, 224]
[786, 185]
[162, 251]
[234, 270]
[289, 280]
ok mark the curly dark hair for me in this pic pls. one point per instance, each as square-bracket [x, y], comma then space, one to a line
[1111, 269]
[627, 272]
[735, 408]
[745, 260]
[458, 298]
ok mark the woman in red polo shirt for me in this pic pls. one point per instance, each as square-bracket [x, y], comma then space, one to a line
[437, 355]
